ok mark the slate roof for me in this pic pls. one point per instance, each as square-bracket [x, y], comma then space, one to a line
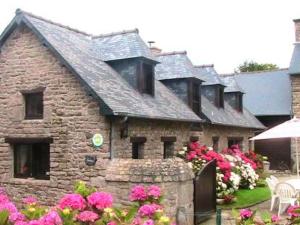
[175, 65]
[208, 74]
[76, 50]
[122, 45]
[294, 64]
[231, 85]
[268, 93]
[229, 116]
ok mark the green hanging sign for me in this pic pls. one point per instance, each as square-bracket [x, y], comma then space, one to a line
[97, 140]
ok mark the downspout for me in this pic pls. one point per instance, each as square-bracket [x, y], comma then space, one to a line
[110, 138]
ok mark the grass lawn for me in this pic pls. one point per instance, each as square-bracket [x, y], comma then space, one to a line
[247, 198]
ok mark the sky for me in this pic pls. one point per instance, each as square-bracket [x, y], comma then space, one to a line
[220, 32]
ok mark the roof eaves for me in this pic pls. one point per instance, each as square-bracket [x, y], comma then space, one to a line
[157, 118]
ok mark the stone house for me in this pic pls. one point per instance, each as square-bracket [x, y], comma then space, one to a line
[226, 120]
[60, 86]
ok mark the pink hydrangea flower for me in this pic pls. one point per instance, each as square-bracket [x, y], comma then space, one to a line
[17, 216]
[3, 199]
[245, 213]
[9, 206]
[275, 218]
[112, 223]
[87, 216]
[154, 191]
[148, 210]
[149, 222]
[73, 201]
[29, 200]
[20, 223]
[51, 218]
[138, 193]
[34, 222]
[100, 200]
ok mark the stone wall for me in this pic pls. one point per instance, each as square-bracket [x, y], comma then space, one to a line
[224, 132]
[172, 175]
[153, 130]
[71, 117]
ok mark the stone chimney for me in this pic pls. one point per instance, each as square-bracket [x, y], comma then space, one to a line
[297, 30]
[155, 50]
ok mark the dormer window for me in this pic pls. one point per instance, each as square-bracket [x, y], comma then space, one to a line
[235, 100]
[194, 97]
[219, 97]
[146, 79]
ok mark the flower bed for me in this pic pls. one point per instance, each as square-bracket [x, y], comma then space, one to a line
[87, 206]
[249, 217]
[234, 168]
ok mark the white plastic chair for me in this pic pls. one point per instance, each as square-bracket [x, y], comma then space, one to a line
[274, 196]
[286, 195]
[274, 179]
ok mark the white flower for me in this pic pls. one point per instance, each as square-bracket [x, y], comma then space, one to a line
[181, 152]
[184, 149]
[190, 165]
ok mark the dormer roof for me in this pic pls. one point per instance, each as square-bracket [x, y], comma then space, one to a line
[175, 65]
[209, 75]
[122, 45]
[231, 85]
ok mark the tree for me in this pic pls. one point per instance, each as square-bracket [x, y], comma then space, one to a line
[251, 66]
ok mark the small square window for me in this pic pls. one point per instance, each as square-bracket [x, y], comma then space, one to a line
[32, 161]
[137, 150]
[169, 149]
[33, 105]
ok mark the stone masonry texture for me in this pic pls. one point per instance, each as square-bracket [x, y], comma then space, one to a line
[71, 117]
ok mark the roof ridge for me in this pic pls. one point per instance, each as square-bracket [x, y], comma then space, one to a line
[252, 72]
[19, 11]
[172, 53]
[204, 65]
[135, 30]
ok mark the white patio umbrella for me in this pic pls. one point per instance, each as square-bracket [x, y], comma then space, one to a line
[288, 129]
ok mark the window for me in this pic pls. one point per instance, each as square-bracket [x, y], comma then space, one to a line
[138, 147]
[215, 145]
[33, 105]
[169, 146]
[32, 161]
[219, 100]
[239, 102]
[194, 97]
[235, 141]
[146, 79]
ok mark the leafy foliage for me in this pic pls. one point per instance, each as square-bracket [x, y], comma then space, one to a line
[252, 66]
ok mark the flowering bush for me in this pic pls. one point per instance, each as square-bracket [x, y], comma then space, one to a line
[87, 206]
[248, 217]
[294, 214]
[234, 168]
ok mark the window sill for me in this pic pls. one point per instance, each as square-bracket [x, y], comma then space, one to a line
[30, 181]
